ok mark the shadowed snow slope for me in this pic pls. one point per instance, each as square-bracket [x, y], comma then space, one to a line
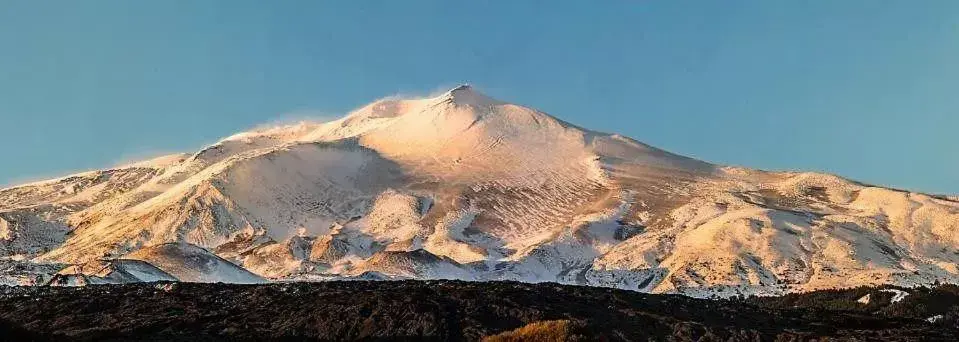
[194, 264]
[468, 187]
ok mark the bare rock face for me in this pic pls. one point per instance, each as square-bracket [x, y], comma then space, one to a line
[468, 187]
[464, 311]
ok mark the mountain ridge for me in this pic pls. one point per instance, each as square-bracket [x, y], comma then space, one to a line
[468, 187]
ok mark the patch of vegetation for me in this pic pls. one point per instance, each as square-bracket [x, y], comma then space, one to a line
[543, 331]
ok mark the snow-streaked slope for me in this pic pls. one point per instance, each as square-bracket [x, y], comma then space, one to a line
[36, 217]
[465, 186]
[190, 263]
[117, 271]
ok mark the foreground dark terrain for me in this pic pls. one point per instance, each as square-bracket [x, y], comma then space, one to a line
[455, 310]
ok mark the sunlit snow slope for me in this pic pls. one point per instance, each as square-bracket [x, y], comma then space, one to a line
[465, 186]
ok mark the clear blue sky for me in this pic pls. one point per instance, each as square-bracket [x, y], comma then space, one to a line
[866, 89]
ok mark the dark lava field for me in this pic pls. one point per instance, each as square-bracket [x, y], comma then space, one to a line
[463, 311]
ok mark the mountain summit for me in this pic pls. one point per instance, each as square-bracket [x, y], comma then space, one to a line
[468, 187]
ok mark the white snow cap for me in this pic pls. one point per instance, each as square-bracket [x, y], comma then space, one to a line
[462, 185]
[465, 94]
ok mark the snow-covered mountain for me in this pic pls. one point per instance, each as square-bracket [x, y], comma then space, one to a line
[465, 186]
